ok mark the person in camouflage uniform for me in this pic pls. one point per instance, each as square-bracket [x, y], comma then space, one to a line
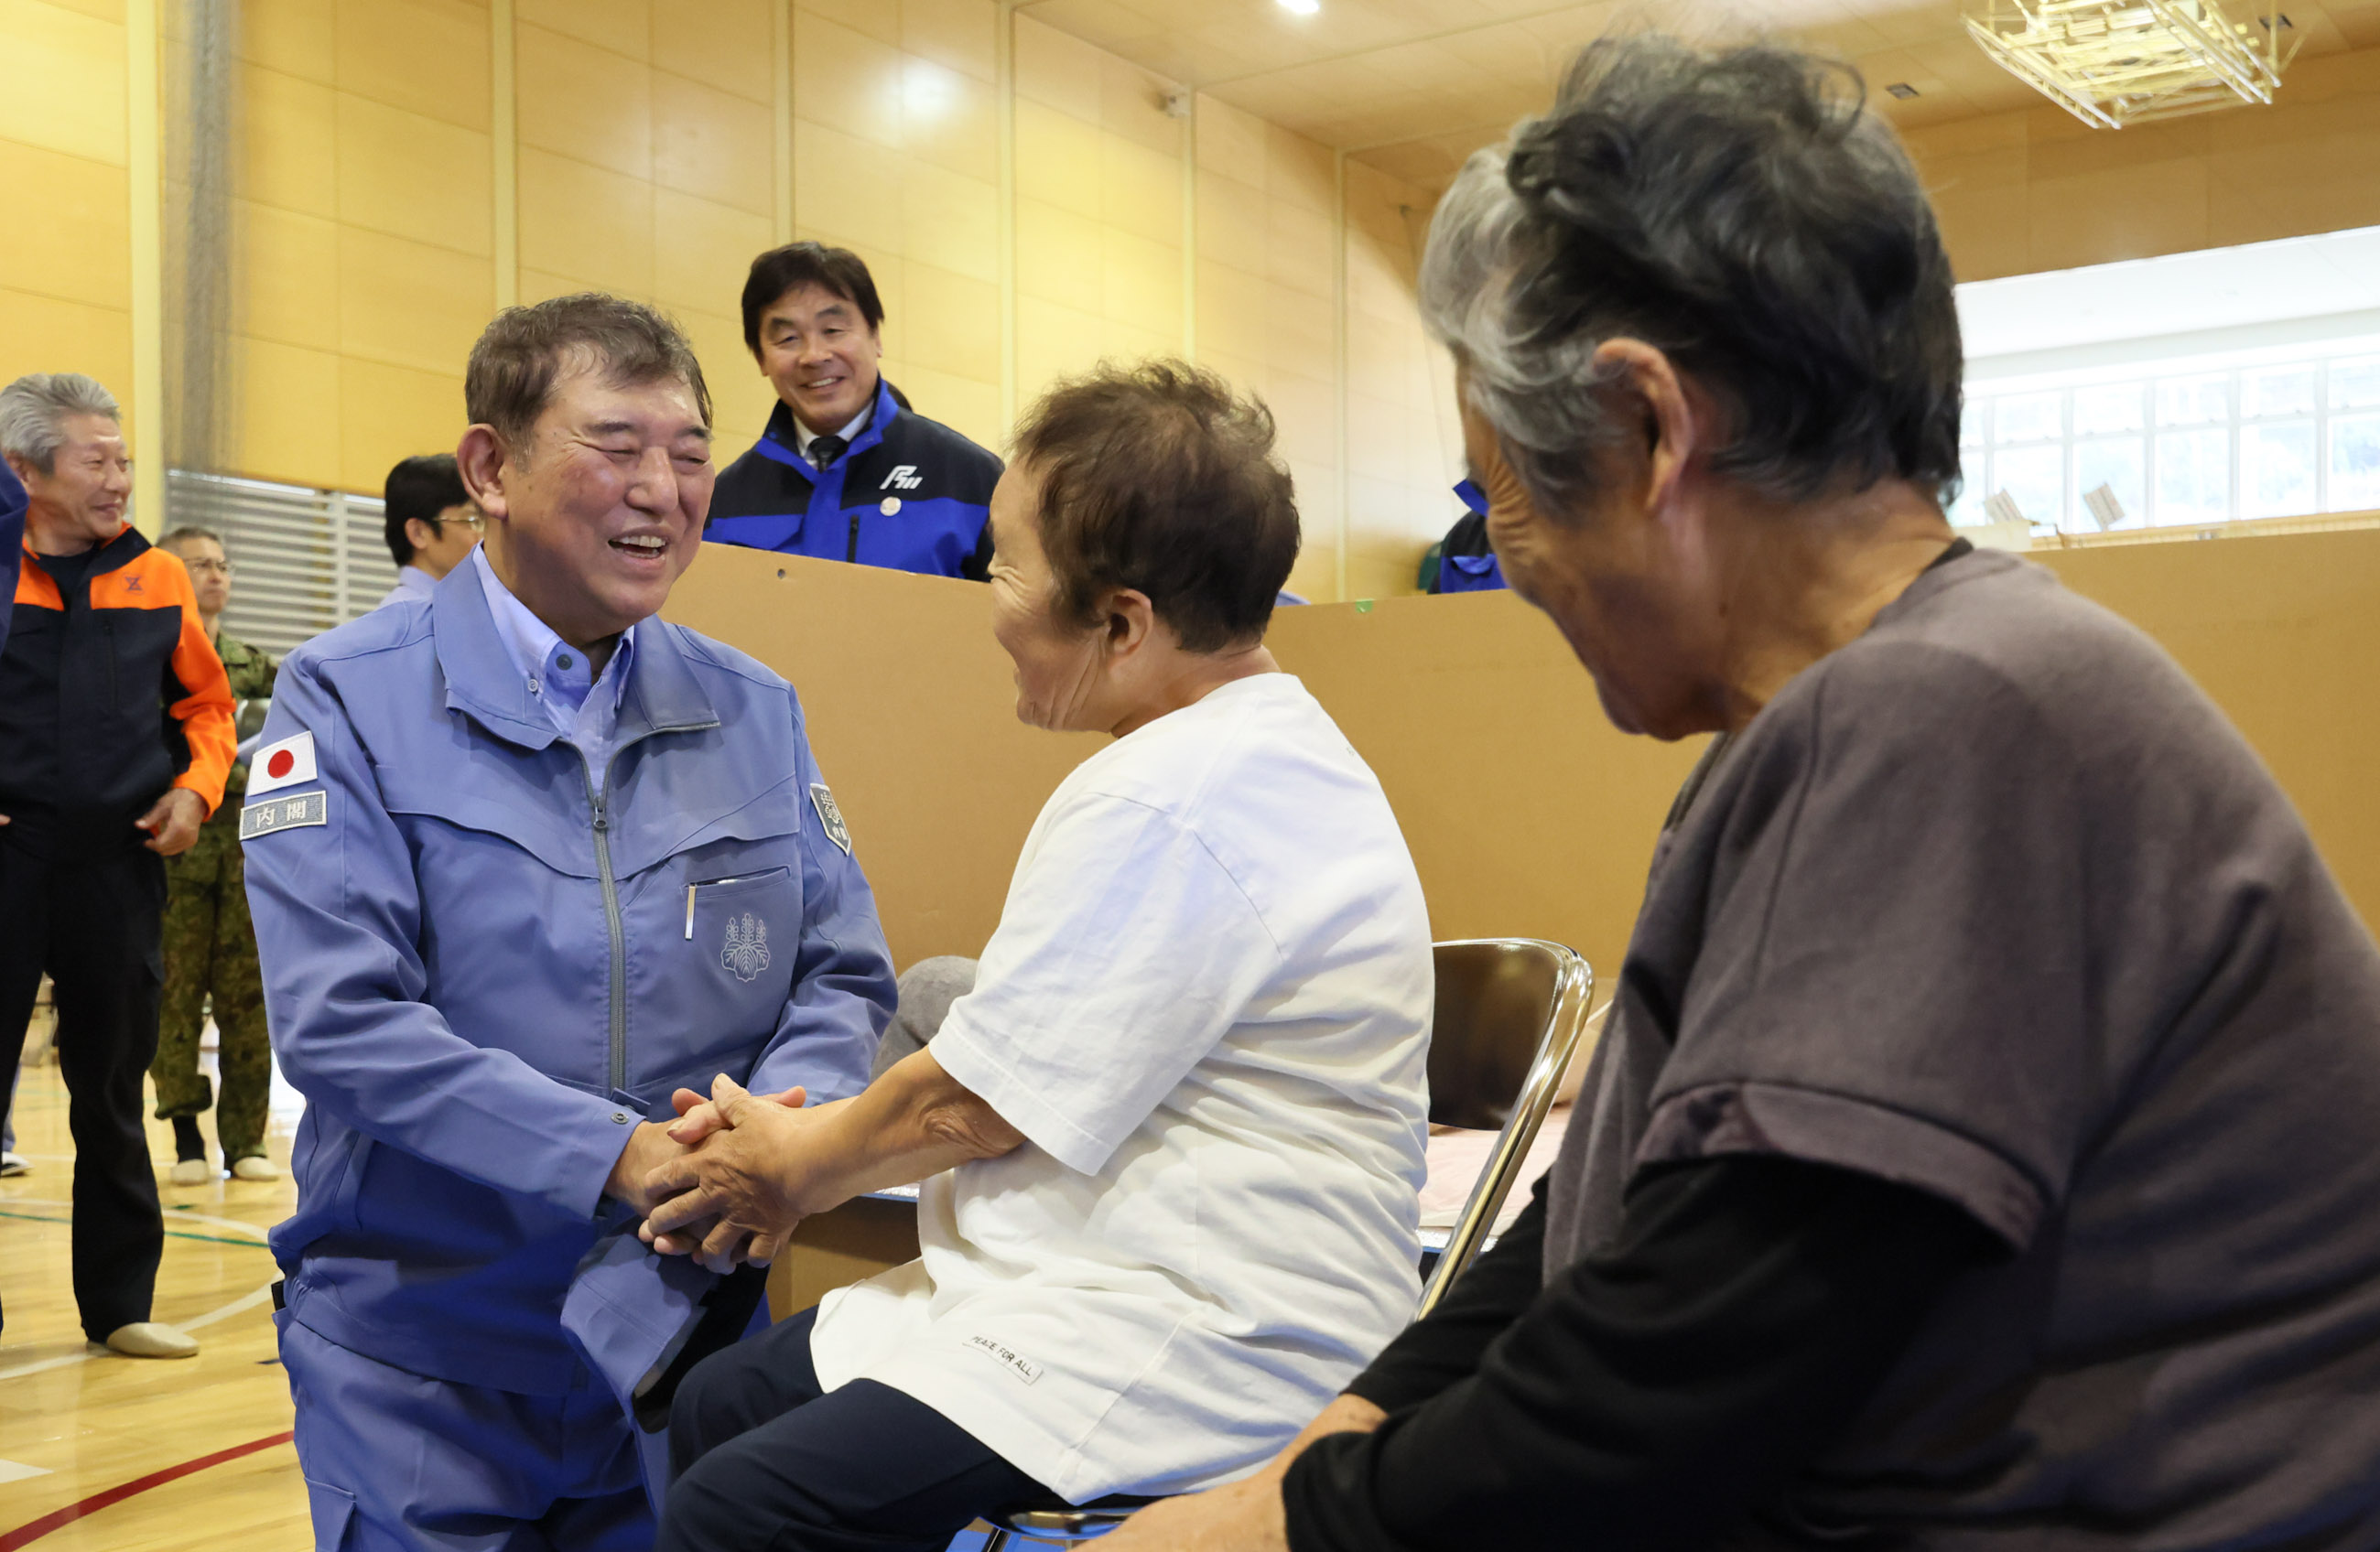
[210, 945]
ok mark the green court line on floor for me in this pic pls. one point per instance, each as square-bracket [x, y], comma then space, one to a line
[170, 1233]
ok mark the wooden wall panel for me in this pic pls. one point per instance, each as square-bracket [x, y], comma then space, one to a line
[1527, 814]
[2035, 189]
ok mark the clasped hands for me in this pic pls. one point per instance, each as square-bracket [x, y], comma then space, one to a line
[725, 1182]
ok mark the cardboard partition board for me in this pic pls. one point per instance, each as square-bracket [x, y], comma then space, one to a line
[1528, 815]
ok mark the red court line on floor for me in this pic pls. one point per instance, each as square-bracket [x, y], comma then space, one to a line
[33, 1530]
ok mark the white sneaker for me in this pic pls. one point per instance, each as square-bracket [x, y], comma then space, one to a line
[15, 1164]
[191, 1171]
[146, 1339]
[255, 1167]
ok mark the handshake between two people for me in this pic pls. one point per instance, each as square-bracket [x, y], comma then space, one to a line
[735, 1175]
[721, 1184]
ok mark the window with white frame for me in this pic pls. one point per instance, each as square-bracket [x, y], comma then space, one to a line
[2185, 444]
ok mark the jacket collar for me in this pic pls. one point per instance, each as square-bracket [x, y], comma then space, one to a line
[662, 694]
[779, 442]
[111, 554]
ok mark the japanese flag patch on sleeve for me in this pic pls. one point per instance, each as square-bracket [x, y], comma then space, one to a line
[280, 765]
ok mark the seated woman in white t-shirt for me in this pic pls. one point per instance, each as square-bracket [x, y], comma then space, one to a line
[1176, 1133]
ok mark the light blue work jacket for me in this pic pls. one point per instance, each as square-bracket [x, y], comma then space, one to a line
[481, 975]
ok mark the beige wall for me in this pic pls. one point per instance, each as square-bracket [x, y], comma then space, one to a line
[388, 196]
[1269, 315]
[2020, 193]
[363, 233]
[1527, 814]
[66, 267]
[896, 155]
[376, 189]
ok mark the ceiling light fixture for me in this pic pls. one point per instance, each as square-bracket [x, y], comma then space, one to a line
[1301, 8]
[2111, 63]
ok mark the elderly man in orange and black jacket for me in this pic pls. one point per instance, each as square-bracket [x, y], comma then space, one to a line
[115, 735]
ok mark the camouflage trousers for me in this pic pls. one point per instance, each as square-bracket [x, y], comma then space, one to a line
[210, 954]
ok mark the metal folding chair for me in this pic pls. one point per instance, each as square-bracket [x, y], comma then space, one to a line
[1509, 1016]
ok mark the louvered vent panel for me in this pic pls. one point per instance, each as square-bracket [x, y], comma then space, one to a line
[303, 560]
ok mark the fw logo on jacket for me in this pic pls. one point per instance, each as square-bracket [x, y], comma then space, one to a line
[747, 952]
[905, 477]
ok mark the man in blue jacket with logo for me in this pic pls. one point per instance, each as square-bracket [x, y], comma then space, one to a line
[846, 472]
[524, 860]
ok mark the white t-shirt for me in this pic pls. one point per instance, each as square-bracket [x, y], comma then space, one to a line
[1206, 1006]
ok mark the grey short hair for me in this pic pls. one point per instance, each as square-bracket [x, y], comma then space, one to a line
[526, 350]
[1739, 208]
[33, 411]
[187, 532]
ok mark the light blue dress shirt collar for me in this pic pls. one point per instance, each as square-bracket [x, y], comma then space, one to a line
[584, 709]
[412, 582]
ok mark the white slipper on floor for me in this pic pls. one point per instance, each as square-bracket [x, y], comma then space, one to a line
[192, 1171]
[255, 1167]
[15, 1164]
[146, 1339]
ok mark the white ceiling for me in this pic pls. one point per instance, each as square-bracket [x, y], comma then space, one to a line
[1414, 86]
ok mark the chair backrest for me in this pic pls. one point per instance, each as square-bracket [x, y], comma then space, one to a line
[1510, 1012]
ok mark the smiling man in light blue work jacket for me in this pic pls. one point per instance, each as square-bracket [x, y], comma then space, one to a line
[524, 859]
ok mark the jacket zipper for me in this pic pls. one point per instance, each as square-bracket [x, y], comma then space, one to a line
[599, 800]
[851, 551]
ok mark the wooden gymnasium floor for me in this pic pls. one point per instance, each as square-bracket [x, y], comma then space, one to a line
[139, 1455]
[98, 1451]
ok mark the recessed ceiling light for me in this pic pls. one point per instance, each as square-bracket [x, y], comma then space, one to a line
[1901, 89]
[1301, 8]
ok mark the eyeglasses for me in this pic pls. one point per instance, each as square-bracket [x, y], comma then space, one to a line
[476, 523]
[218, 568]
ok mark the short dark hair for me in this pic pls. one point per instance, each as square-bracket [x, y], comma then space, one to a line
[419, 486]
[1743, 211]
[1159, 478]
[780, 270]
[520, 355]
[187, 531]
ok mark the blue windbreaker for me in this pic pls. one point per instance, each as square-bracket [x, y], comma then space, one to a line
[480, 975]
[1466, 563]
[12, 544]
[910, 493]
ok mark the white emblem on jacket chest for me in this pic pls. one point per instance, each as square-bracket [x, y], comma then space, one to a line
[746, 954]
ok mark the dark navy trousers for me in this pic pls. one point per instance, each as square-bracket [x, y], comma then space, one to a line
[93, 919]
[764, 1460]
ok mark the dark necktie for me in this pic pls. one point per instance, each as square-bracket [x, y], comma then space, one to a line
[826, 449]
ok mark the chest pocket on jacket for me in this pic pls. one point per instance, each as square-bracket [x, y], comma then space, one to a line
[731, 919]
[718, 937]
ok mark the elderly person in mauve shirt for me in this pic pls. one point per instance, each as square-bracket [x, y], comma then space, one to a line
[1981, 1153]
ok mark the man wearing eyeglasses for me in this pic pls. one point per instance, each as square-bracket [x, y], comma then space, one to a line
[209, 941]
[431, 523]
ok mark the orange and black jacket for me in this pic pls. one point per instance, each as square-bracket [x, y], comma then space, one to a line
[110, 692]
